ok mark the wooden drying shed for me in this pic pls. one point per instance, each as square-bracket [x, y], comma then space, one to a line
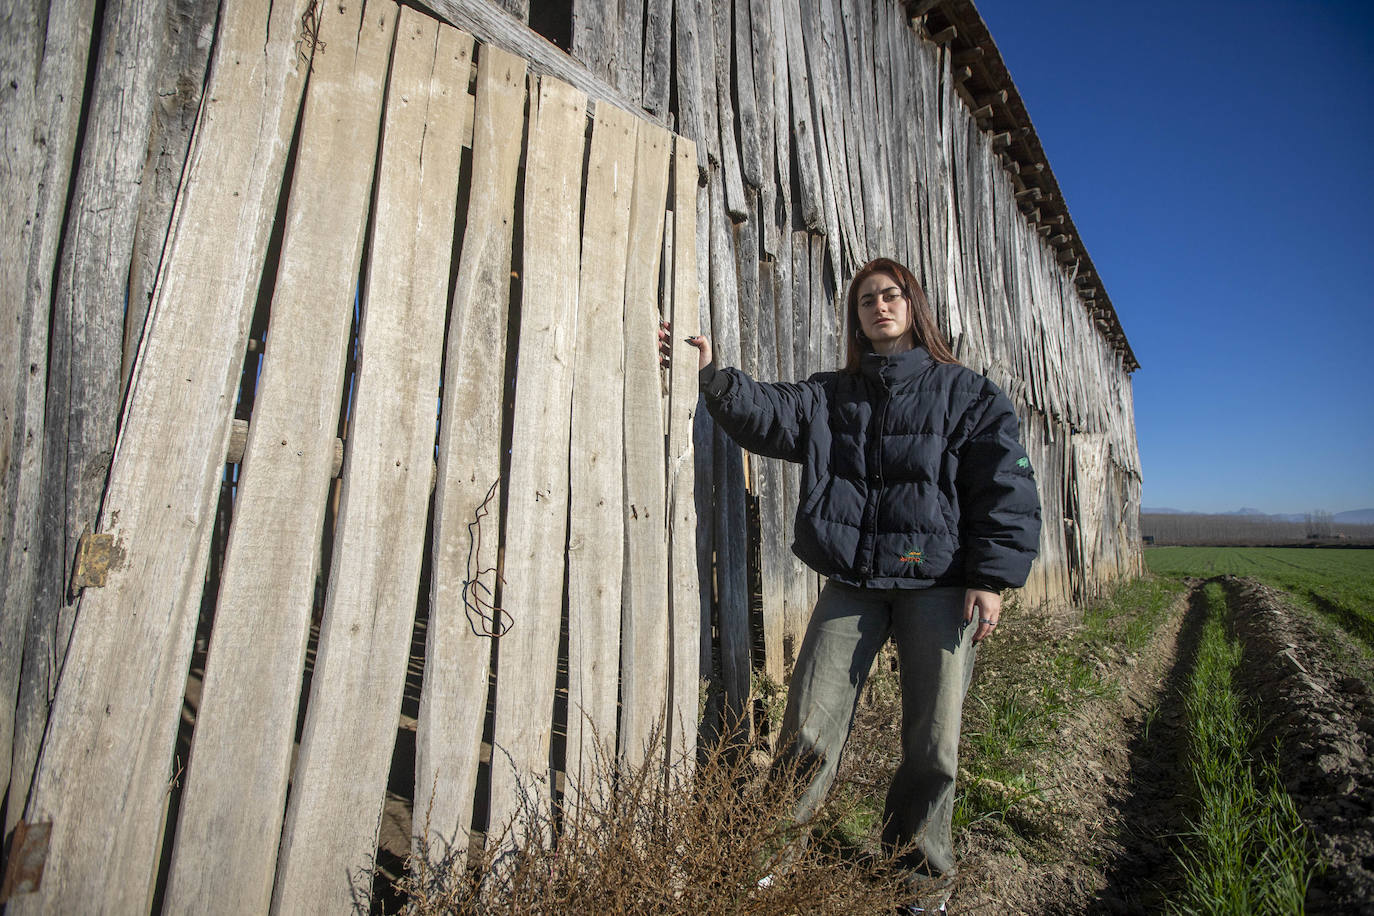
[329, 399]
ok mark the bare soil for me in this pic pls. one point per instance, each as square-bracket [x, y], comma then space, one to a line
[1103, 836]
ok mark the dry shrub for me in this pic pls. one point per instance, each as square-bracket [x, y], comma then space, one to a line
[656, 839]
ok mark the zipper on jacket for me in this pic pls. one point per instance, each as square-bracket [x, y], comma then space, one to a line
[868, 538]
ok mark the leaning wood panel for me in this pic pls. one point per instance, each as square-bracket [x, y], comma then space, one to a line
[684, 597]
[340, 776]
[644, 620]
[537, 495]
[596, 540]
[104, 768]
[463, 613]
[231, 814]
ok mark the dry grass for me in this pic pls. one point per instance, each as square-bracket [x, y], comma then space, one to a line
[689, 840]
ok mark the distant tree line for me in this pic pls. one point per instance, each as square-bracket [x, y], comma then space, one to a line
[1249, 530]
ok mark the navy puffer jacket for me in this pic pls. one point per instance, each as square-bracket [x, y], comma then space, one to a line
[912, 473]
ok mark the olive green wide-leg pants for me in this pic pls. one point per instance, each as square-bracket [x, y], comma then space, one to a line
[935, 651]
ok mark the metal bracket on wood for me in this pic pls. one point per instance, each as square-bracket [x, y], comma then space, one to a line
[28, 855]
[96, 555]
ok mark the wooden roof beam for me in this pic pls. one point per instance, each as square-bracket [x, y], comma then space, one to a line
[945, 35]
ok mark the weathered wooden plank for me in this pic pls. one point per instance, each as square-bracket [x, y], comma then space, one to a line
[762, 48]
[658, 58]
[628, 75]
[596, 37]
[464, 611]
[750, 117]
[596, 528]
[732, 586]
[684, 598]
[107, 757]
[537, 495]
[703, 454]
[86, 336]
[696, 111]
[490, 24]
[768, 487]
[838, 218]
[185, 54]
[718, 37]
[339, 782]
[644, 656]
[803, 125]
[231, 813]
[43, 52]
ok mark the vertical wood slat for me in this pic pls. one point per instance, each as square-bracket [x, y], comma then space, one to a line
[684, 596]
[467, 515]
[719, 38]
[104, 768]
[43, 51]
[596, 541]
[340, 776]
[537, 491]
[658, 60]
[731, 538]
[644, 621]
[231, 815]
[87, 327]
[179, 81]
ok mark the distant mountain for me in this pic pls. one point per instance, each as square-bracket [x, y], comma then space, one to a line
[1351, 517]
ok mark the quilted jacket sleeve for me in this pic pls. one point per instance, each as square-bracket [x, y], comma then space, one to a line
[767, 419]
[999, 506]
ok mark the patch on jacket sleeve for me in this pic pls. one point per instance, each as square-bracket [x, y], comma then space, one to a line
[1023, 462]
[912, 556]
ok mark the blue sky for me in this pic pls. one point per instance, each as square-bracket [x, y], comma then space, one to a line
[1218, 160]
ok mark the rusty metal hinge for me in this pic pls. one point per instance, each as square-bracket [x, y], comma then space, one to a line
[28, 854]
[96, 555]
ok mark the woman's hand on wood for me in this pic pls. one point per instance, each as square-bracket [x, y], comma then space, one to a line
[665, 347]
[984, 608]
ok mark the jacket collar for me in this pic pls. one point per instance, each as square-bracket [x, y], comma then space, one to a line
[891, 371]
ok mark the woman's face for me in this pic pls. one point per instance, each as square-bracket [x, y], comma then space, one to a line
[885, 314]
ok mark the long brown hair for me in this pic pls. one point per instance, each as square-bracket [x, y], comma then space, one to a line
[923, 325]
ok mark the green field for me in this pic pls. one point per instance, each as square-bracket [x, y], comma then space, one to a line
[1338, 583]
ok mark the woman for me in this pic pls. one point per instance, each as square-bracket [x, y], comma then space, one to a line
[919, 505]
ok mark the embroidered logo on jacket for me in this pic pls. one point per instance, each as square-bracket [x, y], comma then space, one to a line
[912, 556]
[1023, 462]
